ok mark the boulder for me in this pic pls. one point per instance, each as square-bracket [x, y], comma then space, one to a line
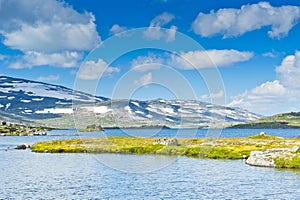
[258, 158]
[262, 133]
[22, 147]
[266, 158]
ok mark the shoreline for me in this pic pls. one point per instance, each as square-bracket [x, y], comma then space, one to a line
[222, 148]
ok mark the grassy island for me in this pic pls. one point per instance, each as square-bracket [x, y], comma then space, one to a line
[224, 148]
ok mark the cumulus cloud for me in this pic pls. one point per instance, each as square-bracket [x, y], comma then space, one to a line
[209, 58]
[234, 22]
[47, 28]
[48, 78]
[155, 32]
[146, 63]
[65, 59]
[91, 70]
[281, 95]
[116, 29]
[144, 80]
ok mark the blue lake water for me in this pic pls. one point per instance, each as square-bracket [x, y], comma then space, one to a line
[27, 175]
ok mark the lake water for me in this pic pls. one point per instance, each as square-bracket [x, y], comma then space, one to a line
[27, 175]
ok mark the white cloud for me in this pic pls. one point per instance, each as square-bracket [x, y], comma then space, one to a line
[48, 78]
[144, 80]
[217, 95]
[146, 63]
[46, 28]
[91, 70]
[234, 22]
[209, 58]
[281, 95]
[171, 33]
[116, 29]
[289, 71]
[155, 32]
[65, 59]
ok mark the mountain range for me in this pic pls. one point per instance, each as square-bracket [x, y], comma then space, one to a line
[38, 103]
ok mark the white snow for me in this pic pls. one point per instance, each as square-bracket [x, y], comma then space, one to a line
[55, 111]
[139, 112]
[34, 89]
[37, 99]
[168, 110]
[25, 101]
[184, 111]
[7, 106]
[128, 109]
[170, 120]
[102, 109]
[135, 103]
[149, 116]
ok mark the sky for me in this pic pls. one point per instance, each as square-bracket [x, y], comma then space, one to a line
[235, 53]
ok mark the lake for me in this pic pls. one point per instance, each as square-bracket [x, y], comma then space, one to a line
[27, 175]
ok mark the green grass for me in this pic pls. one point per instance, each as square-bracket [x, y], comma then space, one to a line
[225, 148]
[284, 120]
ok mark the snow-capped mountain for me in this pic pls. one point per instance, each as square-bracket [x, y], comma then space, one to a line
[26, 100]
[175, 113]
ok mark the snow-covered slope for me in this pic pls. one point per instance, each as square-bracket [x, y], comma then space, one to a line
[185, 113]
[24, 98]
[29, 100]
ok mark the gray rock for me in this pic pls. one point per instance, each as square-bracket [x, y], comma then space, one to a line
[295, 149]
[262, 133]
[22, 147]
[258, 158]
[266, 158]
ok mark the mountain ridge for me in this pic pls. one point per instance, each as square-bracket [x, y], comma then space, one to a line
[48, 104]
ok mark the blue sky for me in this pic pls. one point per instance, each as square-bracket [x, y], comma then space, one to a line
[252, 45]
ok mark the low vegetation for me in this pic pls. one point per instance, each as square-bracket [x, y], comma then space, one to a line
[225, 148]
[13, 129]
[284, 120]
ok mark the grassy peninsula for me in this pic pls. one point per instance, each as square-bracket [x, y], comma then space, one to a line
[225, 148]
[283, 120]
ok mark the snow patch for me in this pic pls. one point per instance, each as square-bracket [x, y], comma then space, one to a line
[139, 112]
[128, 109]
[149, 116]
[37, 99]
[55, 111]
[25, 101]
[7, 106]
[170, 120]
[135, 103]
[102, 109]
[168, 110]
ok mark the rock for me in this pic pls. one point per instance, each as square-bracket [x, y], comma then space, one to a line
[262, 133]
[266, 158]
[295, 149]
[258, 158]
[22, 147]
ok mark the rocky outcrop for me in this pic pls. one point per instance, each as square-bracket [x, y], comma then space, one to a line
[267, 157]
[167, 142]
